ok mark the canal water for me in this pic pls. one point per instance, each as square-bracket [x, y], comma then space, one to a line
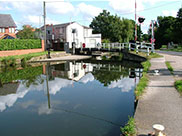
[86, 98]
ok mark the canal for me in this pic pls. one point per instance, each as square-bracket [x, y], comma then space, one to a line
[85, 98]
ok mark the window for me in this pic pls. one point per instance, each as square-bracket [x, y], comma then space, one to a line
[10, 30]
[2, 30]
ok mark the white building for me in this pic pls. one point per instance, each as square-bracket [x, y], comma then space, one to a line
[74, 33]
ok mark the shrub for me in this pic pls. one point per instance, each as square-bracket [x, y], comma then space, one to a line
[129, 129]
[178, 85]
[15, 44]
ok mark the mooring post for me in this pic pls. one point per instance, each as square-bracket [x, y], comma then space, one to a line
[129, 47]
[137, 49]
[147, 51]
[123, 45]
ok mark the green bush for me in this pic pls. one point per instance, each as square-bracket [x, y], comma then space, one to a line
[16, 44]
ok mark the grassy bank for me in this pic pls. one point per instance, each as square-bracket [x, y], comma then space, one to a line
[129, 129]
[27, 56]
[177, 49]
[178, 86]
[170, 68]
[139, 90]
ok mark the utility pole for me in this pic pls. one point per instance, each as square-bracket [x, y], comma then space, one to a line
[135, 21]
[44, 16]
[152, 39]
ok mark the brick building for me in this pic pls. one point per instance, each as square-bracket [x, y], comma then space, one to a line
[7, 27]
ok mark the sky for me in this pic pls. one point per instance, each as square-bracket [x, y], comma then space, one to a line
[83, 11]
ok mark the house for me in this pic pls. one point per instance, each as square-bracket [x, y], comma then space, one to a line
[7, 27]
[71, 33]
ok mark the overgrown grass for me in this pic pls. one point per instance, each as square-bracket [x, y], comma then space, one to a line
[139, 90]
[170, 68]
[129, 129]
[178, 85]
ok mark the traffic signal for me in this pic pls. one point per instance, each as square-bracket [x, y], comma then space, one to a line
[141, 19]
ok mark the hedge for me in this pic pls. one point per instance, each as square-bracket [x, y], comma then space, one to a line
[16, 44]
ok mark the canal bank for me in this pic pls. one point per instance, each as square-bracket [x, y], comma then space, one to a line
[161, 103]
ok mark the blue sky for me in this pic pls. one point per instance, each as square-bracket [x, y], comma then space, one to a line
[83, 11]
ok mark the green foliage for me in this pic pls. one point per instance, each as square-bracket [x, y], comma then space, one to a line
[27, 32]
[164, 33]
[105, 41]
[168, 30]
[29, 75]
[178, 85]
[112, 27]
[170, 68]
[143, 81]
[16, 44]
[154, 55]
[129, 129]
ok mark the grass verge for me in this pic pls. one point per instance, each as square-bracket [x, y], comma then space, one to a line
[129, 129]
[139, 90]
[170, 68]
[178, 86]
[28, 56]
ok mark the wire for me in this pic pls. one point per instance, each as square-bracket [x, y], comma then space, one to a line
[162, 5]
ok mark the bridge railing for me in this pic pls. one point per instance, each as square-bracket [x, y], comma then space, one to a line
[138, 47]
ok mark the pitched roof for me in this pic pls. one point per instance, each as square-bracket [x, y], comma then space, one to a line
[6, 21]
[64, 25]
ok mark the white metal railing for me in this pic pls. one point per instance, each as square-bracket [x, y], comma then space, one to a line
[138, 47]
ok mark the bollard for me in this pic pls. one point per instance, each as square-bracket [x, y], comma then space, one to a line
[129, 47]
[158, 129]
[147, 51]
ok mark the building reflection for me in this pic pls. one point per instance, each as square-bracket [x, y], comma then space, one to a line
[77, 70]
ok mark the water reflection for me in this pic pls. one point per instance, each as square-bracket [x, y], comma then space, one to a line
[94, 93]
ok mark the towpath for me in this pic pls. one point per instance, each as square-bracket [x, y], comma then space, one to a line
[161, 103]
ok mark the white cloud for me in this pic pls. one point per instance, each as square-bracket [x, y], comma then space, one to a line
[125, 6]
[38, 20]
[126, 84]
[88, 11]
[9, 100]
[59, 7]
[169, 13]
[87, 78]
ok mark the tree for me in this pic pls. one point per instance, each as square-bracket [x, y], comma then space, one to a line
[178, 27]
[164, 33]
[112, 27]
[27, 32]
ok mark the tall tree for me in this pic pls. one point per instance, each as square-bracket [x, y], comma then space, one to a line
[112, 27]
[178, 27]
[164, 33]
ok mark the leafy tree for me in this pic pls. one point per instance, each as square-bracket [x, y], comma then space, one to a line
[164, 33]
[178, 27]
[146, 37]
[27, 32]
[112, 27]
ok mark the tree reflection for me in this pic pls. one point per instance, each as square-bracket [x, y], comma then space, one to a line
[106, 76]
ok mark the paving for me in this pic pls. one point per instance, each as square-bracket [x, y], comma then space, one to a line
[161, 103]
[64, 58]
